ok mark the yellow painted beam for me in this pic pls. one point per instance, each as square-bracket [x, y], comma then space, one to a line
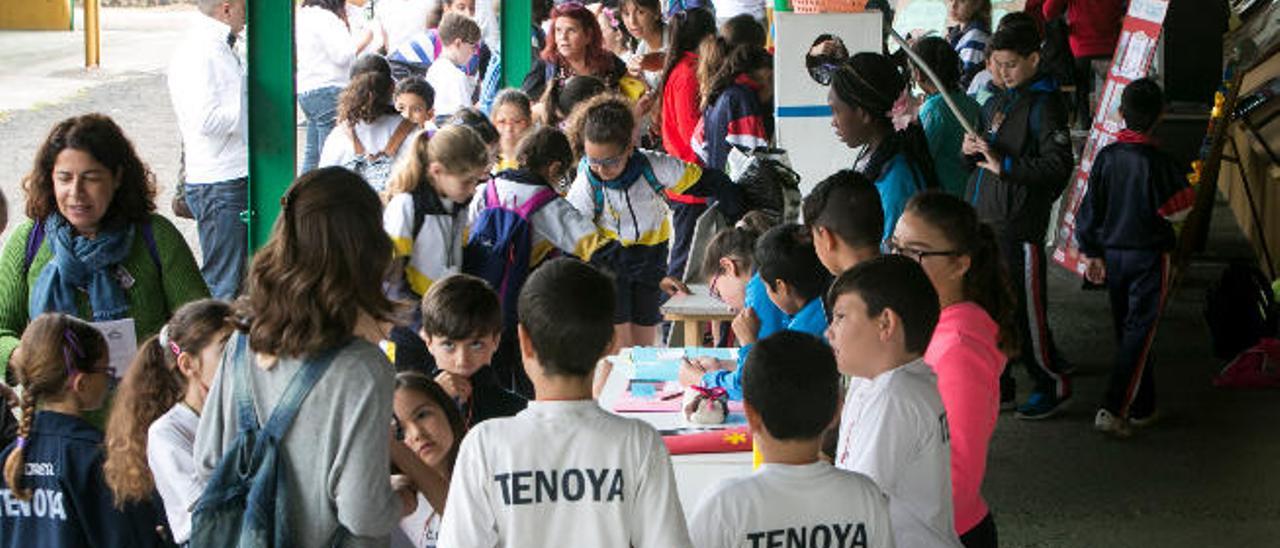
[35, 15]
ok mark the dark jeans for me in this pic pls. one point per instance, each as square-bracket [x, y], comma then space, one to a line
[1091, 77]
[320, 106]
[224, 237]
[1026, 262]
[1138, 281]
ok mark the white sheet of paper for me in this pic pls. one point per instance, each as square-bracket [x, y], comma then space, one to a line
[122, 343]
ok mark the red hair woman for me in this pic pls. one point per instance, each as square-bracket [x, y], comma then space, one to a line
[575, 47]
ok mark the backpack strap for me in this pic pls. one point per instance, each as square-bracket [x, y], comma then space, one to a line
[149, 236]
[422, 53]
[296, 391]
[541, 198]
[651, 178]
[491, 195]
[402, 131]
[356, 145]
[437, 45]
[34, 239]
[247, 417]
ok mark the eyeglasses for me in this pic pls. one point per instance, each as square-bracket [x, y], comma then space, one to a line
[714, 291]
[606, 162]
[918, 255]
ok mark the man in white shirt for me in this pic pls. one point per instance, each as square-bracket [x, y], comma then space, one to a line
[403, 18]
[564, 472]
[460, 36]
[791, 392]
[893, 427]
[207, 87]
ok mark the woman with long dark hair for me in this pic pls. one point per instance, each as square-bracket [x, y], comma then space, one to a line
[863, 92]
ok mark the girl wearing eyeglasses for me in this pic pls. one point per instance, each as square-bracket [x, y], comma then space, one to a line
[974, 335]
[622, 189]
[53, 488]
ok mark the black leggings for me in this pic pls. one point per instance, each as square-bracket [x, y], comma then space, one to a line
[982, 535]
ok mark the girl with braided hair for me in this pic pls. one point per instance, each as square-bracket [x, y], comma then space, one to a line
[53, 487]
[862, 94]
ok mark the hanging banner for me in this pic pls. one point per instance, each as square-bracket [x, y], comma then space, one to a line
[1134, 52]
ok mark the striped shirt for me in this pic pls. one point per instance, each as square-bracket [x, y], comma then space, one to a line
[970, 43]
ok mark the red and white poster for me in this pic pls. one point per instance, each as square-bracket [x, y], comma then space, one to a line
[1134, 52]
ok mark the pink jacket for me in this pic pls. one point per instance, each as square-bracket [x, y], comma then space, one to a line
[964, 355]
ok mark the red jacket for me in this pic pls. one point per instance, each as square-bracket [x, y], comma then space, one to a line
[1094, 25]
[680, 112]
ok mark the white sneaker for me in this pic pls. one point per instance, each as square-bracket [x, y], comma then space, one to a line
[1143, 422]
[1107, 423]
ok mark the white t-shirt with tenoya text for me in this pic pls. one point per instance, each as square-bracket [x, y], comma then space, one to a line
[563, 473]
[894, 429]
[812, 505]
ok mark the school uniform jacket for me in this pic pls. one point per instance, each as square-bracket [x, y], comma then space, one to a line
[1135, 189]
[736, 118]
[71, 505]
[1036, 160]
[636, 216]
[556, 225]
[434, 250]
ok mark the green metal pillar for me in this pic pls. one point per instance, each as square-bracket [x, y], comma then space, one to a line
[273, 132]
[517, 36]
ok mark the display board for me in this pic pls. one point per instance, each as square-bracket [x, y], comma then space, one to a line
[1134, 52]
[800, 103]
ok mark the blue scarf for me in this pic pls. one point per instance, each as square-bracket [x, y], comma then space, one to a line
[636, 164]
[82, 263]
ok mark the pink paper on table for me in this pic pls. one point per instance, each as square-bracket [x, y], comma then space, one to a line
[628, 403]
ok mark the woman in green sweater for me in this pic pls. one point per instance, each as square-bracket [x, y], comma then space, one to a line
[93, 247]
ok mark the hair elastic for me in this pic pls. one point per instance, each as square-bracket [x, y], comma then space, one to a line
[72, 345]
[22, 442]
[166, 342]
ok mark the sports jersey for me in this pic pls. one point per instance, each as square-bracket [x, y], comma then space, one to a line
[434, 249]
[563, 473]
[894, 429]
[556, 225]
[793, 505]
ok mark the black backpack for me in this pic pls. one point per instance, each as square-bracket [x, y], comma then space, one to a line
[1240, 309]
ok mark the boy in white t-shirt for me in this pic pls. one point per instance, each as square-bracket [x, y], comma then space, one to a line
[791, 391]
[564, 472]
[454, 90]
[893, 427]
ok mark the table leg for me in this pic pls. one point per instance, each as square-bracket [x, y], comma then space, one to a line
[692, 335]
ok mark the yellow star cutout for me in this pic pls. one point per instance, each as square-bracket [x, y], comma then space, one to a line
[735, 438]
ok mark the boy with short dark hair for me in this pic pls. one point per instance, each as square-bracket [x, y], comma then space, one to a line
[460, 36]
[794, 282]
[792, 393]
[846, 218]
[564, 472]
[1124, 230]
[1024, 162]
[462, 326]
[893, 427]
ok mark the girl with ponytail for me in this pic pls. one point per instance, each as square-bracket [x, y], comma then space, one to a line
[151, 432]
[678, 93]
[863, 92]
[53, 484]
[971, 343]
[737, 89]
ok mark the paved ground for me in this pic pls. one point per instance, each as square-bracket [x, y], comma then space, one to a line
[1204, 477]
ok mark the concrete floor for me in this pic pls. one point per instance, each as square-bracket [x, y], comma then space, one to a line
[1202, 477]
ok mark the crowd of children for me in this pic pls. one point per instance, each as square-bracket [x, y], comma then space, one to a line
[462, 257]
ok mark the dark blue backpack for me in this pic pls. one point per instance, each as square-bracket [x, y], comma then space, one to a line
[500, 243]
[239, 507]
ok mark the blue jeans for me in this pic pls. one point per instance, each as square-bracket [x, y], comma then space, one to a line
[320, 106]
[224, 237]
